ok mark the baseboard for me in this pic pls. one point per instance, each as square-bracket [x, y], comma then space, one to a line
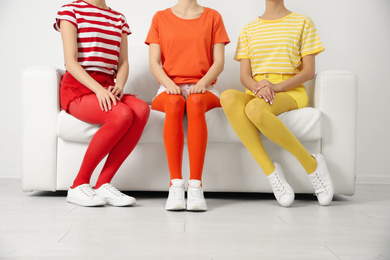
[372, 179]
[360, 179]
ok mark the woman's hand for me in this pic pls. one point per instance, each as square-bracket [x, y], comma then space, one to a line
[267, 94]
[106, 98]
[117, 91]
[265, 90]
[197, 89]
[173, 90]
[262, 89]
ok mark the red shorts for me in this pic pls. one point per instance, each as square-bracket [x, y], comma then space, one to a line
[71, 89]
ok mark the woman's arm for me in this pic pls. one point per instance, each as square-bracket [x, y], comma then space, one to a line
[266, 90]
[307, 73]
[158, 72]
[247, 80]
[69, 40]
[246, 75]
[214, 71]
[123, 69]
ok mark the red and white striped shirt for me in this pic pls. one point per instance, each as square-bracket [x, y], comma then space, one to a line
[99, 33]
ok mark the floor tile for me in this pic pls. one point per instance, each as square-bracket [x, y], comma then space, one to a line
[42, 225]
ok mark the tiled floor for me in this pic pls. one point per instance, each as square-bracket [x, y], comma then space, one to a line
[236, 226]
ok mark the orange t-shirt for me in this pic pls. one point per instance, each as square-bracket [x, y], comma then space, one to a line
[187, 45]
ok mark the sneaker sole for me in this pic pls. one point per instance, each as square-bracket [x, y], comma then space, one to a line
[86, 204]
[195, 207]
[121, 204]
[288, 203]
[176, 207]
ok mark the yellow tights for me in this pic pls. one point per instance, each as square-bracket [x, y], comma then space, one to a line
[249, 114]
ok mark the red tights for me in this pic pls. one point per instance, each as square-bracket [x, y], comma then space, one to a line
[120, 132]
[174, 107]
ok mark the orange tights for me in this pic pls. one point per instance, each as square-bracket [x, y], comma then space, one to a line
[174, 107]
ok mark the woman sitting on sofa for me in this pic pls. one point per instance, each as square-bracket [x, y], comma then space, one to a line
[277, 55]
[187, 44]
[95, 50]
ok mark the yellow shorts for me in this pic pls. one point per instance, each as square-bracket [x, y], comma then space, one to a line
[298, 93]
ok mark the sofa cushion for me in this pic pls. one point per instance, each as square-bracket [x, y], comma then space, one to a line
[304, 123]
[72, 129]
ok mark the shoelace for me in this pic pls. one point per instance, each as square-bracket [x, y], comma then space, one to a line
[114, 190]
[317, 183]
[176, 191]
[87, 190]
[195, 192]
[278, 185]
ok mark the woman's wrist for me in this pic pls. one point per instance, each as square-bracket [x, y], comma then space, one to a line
[277, 87]
[171, 85]
[99, 89]
[201, 84]
[121, 87]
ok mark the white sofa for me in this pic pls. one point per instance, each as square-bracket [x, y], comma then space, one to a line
[54, 142]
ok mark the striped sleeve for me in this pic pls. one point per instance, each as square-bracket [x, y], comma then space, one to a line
[125, 26]
[242, 46]
[66, 13]
[311, 42]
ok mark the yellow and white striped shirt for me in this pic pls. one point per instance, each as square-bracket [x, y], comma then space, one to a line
[277, 46]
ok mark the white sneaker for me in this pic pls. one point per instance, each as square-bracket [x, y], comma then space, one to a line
[322, 181]
[176, 199]
[84, 195]
[283, 192]
[114, 197]
[195, 200]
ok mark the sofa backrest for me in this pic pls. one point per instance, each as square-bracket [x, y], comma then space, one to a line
[142, 83]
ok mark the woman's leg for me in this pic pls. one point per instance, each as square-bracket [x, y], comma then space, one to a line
[140, 110]
[263, 116]
[115, 124]
[197, 105]
[237, 107]
[173, 106]
[234, 103]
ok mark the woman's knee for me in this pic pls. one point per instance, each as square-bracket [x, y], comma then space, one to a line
[140, 108]
[256, 110]
[144, 110]
[195, 101]
[122, 115]
[174, 104]
[174, 100]
[229, 98]
[196, 106]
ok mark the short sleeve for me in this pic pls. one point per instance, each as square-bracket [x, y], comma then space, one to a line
[125, 26]
[153, 35]
[242, 46]
[220, 34]
[310, 41]
[65, 13]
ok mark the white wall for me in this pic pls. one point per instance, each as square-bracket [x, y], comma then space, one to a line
[355, 34]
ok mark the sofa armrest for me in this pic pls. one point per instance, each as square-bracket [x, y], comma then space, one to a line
[335, 95]
[40, 99]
